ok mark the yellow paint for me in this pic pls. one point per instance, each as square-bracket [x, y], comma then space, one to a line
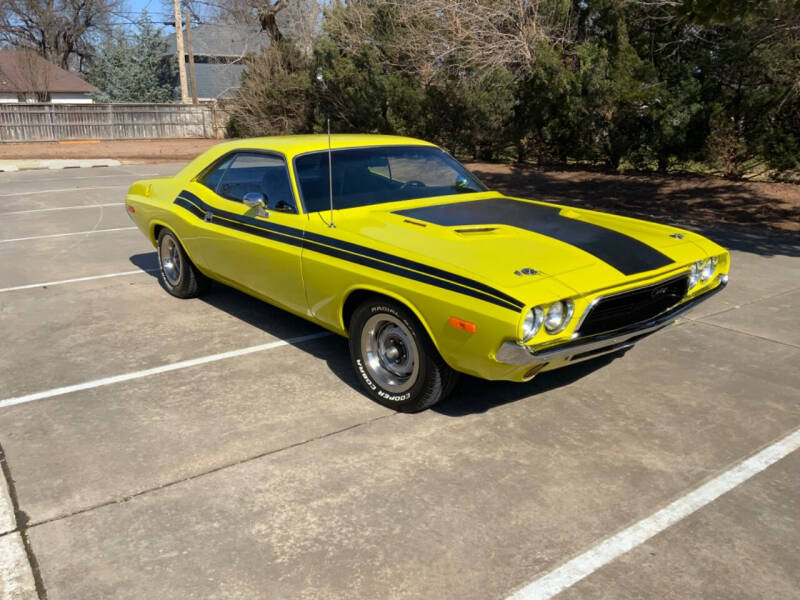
[315, 286]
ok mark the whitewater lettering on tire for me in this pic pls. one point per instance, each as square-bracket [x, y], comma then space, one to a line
[365, 377]
[394, 398]
[376, 389]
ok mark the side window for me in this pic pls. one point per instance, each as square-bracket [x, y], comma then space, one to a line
[212, 178]
[261, 173]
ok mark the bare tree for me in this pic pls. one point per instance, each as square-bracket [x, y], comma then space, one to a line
[64, 32]
[429, 35]
[295, 20]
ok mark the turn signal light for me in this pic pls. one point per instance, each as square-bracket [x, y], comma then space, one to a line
[130, 208]
[463, 325]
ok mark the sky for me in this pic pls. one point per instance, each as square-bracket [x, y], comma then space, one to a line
[131, 9]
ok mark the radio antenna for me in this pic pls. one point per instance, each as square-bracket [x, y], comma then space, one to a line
[330, 173]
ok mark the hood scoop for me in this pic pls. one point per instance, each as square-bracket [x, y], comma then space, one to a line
[474, 230]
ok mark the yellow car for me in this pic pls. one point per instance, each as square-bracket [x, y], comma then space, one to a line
[393, 243]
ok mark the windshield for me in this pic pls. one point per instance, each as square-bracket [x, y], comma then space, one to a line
[366, 176]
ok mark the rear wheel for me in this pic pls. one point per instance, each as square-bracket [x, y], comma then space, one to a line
[395, 360]
[178, 274]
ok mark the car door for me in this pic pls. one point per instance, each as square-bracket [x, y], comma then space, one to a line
[253, 247]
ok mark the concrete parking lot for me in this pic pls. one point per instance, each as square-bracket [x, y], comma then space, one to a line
[220, 448]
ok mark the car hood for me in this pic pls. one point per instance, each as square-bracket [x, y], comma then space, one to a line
[512, 243]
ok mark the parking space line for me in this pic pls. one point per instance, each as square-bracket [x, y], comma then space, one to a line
[63, 179]
[77, 207]
[55, 235]
[72, 189]
[30, 286]
[184, 364]
[573, 571]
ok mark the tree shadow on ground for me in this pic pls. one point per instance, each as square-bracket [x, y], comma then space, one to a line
[470, 396]
[734, 214]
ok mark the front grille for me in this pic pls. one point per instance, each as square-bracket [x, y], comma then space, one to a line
[628, 308]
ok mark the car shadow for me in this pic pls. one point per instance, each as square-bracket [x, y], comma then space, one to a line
[473, 395]
[470, 396]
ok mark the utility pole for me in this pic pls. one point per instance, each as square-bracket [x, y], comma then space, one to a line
[191, 55]
[179, 46]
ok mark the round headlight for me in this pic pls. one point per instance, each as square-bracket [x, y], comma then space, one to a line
[557, 316]
[532, 323]
[694, 273]
[708, 269]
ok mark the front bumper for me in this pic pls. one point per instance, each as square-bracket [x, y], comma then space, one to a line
[512, 353]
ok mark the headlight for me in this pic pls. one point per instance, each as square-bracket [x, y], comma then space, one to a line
[532, 323]
[558, 315]
[694, 273]
[708, 269]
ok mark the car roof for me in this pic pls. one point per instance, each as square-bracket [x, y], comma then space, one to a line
[291, 145]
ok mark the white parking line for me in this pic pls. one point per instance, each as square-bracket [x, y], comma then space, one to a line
[63, 179]
[55, 235]
[72, 189]
[184, 364]
[571, 572]
[77, 207]
[30, 286]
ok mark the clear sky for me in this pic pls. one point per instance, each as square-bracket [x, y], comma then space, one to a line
[131, 9]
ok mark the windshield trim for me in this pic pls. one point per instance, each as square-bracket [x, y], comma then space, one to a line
[333, 150]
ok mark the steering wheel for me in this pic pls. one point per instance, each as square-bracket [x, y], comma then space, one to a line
[412, 183]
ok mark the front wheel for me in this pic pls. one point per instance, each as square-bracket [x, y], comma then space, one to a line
[395, 360]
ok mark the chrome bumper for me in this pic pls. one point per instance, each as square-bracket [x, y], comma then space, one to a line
[512, 353]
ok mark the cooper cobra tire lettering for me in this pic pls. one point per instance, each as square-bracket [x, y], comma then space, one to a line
[434, 378]
[364, 376]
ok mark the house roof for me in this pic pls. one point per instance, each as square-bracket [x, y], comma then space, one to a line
[223, 41]
[218, 80]
[23, 71]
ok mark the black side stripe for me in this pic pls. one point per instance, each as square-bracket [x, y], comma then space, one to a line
[295, 237]
[350, 247]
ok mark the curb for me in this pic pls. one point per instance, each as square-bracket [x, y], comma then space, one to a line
[57, 164]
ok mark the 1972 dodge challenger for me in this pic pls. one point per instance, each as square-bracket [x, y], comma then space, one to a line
[425, 270]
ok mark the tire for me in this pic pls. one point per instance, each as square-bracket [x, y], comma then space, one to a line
[179, 276]
[394, 359]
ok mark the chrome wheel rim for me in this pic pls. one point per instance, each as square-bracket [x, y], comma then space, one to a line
[390, 353]
[171, 264]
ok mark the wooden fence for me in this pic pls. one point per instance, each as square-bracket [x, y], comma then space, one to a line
[55, 122]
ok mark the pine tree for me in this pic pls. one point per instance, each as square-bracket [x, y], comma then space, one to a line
[135, 70]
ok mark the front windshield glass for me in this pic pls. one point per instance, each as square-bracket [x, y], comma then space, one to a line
[366, 176]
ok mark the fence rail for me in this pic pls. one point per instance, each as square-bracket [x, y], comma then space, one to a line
[55, 122]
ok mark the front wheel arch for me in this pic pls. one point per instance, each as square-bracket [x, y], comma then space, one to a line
[353, 298]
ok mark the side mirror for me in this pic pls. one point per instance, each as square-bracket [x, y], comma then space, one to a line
[254, 199]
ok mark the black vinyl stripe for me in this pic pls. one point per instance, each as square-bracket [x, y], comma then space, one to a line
[410, 264]
[258, 228]
[403, 272]
[356, 249]
[626, 254]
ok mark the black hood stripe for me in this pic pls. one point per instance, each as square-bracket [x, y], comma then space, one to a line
[347, 251]
[624, 253]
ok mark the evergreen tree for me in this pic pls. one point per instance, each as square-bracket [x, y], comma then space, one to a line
[135, 69]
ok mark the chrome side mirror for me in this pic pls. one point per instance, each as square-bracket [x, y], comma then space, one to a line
[256, 199]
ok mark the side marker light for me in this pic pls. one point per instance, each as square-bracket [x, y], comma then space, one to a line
[463, 325]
